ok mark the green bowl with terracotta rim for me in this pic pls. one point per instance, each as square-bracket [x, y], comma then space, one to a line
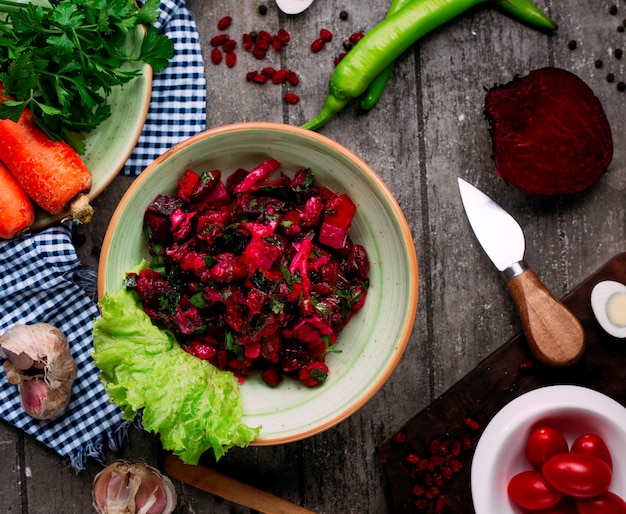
[373, 341]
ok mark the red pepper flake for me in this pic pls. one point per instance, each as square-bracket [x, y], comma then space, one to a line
[292, 98]
[224, 23]
[216, 56]
[326, 35]
[219, 40]
[318, 45]
[231, 59]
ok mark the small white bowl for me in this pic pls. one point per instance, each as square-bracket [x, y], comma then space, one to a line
[574, 410]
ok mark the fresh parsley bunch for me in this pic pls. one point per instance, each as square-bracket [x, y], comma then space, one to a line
[61, 61]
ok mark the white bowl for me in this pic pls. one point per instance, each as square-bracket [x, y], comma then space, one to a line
[574, 410]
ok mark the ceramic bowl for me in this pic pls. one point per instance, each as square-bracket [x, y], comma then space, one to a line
[375, 338]
[574, 410]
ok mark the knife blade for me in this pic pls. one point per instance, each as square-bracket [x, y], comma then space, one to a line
[554, 334]
[228, 488]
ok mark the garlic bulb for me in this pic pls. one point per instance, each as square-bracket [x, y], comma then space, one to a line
[132, 488]
[39, 362]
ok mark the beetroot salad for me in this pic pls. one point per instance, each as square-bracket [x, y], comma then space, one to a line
[253, 273]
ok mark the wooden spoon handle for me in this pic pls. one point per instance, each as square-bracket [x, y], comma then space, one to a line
[228, 488]
[554, 334]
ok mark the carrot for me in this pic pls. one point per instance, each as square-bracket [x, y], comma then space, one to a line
[16, 210]
[51, 172]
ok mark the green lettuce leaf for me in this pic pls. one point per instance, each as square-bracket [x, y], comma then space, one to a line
[190, 403]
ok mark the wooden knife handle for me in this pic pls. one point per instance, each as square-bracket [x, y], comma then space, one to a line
[554, 334]
[228, 488]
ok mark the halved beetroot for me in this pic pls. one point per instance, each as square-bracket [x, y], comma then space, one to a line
[550, 135]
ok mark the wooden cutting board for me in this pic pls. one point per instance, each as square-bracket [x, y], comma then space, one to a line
[494, 383]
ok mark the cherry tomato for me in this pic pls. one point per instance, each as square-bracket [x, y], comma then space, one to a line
[530, 490]
[594, 445]
[578, 474]
[607, 503]
[543, 443]
[566, 506]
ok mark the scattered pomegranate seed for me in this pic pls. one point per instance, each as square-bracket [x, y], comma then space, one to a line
[251, 74]
[283, 36]
[277, 44]
[292, 98]
[219, 40]
[326, 35]
[269, 72]
[471, 424]
[265, 35]
[261, 43]
[247, 42]
[292, 78]
[259, 53]
[216, 56]
[259, 78]
[399, 438]
[339, 58]
[317, 45]
[527, 366]
[279, 77]
[229, 46]
[355, 37]
[224, 23]
[231, 59]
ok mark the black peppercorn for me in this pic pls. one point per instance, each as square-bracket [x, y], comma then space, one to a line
[613, 9]
[621, 87]
[571, 45]
[598, 63]
[618, 53]
[610, 77]
[620, 28]
[262, 9]
[347, 45]
[343, 15]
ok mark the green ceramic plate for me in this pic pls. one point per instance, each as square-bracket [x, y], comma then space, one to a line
[110, 145]
[374, 340]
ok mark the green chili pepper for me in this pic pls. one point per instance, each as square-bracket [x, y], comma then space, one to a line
[382, 45]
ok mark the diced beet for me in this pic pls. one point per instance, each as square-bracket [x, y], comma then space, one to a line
[339, 211]
[257, 174]
[186, 185]
[332, 235]
[312, 211]
[205, 185]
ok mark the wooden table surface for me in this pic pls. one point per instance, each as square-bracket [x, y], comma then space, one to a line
[427, 130]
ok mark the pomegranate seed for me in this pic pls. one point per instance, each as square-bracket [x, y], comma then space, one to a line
[326, 35]
[356, 37]
[441, 504]
[456, 448]
[276, 44]
[283, 36]
[262, 44]
[259, 78]
[446, 472]
[339, 58]
[219, 40]
[526, 366]
[279, 77]
[231, 59]
[247, 42]
[418, 490]
[259, 53]
[456, 466]
[432, 492]
[467, 442]
[265, 36]
[224, 23]
[412, 458]
[471, 424]
[292, 78]
[317, 45]
[269, 72]
[251, 74]
[421, 504]
[291, 98]
[399, 438]
[216, 56]
[229, 45]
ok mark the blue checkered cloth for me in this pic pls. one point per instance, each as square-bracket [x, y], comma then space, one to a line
[43, 280]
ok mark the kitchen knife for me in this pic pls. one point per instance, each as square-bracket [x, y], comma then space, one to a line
[228, 488]
[553, 333]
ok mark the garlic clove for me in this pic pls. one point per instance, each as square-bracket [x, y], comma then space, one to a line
[39, 362]
[133, 488]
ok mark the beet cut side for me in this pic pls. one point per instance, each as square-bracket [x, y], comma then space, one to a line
[550, 135]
